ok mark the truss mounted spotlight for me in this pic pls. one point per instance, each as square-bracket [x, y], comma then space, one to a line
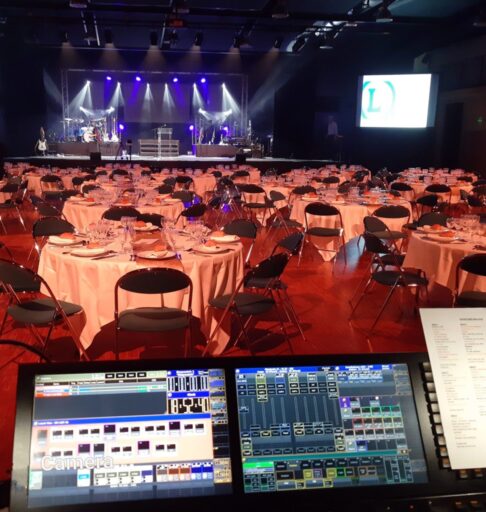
[383, 14]
[280, 11]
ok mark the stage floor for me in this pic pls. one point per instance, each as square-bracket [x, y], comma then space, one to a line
[181, 160]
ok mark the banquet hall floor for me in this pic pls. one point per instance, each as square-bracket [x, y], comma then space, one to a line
[319, 297]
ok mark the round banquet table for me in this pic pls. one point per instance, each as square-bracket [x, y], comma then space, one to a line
[91, 284]
[80, 215]
[439, 261]
[419, 190]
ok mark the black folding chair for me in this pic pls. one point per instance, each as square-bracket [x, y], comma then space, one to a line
[441, 191]
[46, 227]
[329, 181]
[165, 189]
[324, 210]
[473, 264]
[10, 205]
[154, 281]
[195, 211]
[429, 201]
[249, 304]
[390, 278]
[186, 196]
[51, 185]
[243, 228]
[40, 312]
[184, 182]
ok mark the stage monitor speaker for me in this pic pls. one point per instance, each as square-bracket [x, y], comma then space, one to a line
[95, 157]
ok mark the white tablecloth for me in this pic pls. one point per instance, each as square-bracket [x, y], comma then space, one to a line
[80, 215]
[419, 189]
[91, 283]
[439, 261]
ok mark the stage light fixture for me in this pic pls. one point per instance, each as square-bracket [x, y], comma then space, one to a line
[175, 79]
[108, 78]
[154, 38]
[278, 42]
[198, 39]
[121, 127]
[203, 80]
[223, 85]
[138, 78]
[191, 127]
[88, 82]
[384, 15]
[108, 36]
[78, 4]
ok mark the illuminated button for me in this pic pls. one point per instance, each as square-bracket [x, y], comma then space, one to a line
[445, 463]
[463, 474]
[441, 440]
[436, 419]
[443, 451]
[430, 387]
[434, 408]
[428, 377]
[426, 366]
[478, 473]
[438, 429]
[460, 505]
[432, 397]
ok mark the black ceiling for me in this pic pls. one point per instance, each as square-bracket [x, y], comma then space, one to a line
[342, 23]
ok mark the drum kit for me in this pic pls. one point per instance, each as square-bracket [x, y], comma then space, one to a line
[98, 129]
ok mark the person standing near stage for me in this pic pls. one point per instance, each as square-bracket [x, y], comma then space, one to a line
[41, 144]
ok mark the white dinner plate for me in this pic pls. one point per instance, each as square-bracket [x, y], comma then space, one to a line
[75, 199]
[57, 240]
[171, 200]
[129, 205]
[148, 227]
[85, 252]
[156, 255]
[310, 199]
[438, 238]
[226, 239]
[428, 229]
[213, 249]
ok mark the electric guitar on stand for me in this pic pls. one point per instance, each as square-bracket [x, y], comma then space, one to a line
[41, 145]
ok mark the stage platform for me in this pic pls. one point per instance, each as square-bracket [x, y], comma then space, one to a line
[183, 161]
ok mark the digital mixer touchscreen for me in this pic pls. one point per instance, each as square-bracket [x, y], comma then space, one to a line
[320, 427]
[134, 435]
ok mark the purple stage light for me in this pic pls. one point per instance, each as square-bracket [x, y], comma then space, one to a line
[175, 79]
[138, 79]
[226, 129]
[191, 127]
[108, 78]
[203, 80]
[121, 127]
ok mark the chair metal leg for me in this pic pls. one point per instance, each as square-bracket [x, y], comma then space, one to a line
[296, 321]
[368, 284]
[21, 218]
[4, 321]
[117, 354]
[387, 300]
[48, 337]
[301, 249]
[282, 328]
[344, 252]
[243, 326]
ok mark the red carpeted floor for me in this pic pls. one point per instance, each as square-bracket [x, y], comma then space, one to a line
[319, 296]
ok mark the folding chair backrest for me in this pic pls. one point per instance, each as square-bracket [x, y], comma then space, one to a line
[374, 245]
[196, 210]
[392, 212]
[154, 280]
[474, 264]
[437, 188]
[403, 187]
[428, 200]
[51, 226]
[321, 209]
[165, 189]
[186, 196]
[275, 195]
[18, 277]
[291, 243]
[302, 190]
[270, 268]
[250, 188]
[373, 224]
[429, 219]
[241, 227]
[117, 212]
